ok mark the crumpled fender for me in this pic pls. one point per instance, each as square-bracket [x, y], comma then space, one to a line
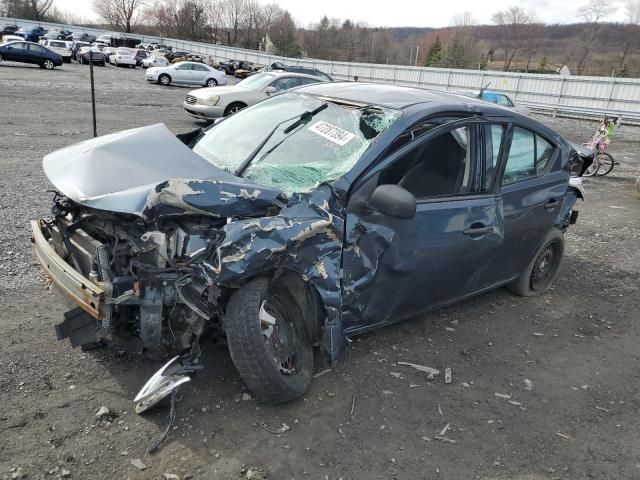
[306, 237]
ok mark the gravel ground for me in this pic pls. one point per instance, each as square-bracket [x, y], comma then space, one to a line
[568, 360]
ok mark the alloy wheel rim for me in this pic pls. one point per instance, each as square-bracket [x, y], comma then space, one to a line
[280, 335]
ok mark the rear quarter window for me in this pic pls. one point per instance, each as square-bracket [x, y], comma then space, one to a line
[529, 155]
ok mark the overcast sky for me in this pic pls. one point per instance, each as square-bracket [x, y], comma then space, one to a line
[403, 13]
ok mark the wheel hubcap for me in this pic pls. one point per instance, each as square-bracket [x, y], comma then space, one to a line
[280, 335]
[543, 268]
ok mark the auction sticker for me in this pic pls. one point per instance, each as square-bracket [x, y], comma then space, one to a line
[331, 132]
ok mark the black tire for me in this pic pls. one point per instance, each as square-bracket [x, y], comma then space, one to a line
[48, 64]
[543, 270]
[605, 164]
[211, 82]
[164, 79]
[1, 59]
[234, 107]
[277, 367]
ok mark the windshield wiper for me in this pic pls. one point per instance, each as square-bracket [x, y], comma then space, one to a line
[301, 119]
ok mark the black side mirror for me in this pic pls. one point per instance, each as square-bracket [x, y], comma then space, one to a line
[393, 200]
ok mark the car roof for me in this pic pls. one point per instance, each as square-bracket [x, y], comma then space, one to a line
[392, 96]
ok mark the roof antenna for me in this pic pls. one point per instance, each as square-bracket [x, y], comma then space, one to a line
[482, 90]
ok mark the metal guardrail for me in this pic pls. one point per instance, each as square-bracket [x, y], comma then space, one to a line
[559, 95]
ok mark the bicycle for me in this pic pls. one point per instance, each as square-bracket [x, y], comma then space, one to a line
[603, 162]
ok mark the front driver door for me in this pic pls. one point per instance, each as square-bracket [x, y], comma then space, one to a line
[182, 73]
[394, 268]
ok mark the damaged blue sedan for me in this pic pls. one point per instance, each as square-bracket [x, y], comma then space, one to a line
[306, 219]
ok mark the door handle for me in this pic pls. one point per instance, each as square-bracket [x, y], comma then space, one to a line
[551, 204]
[477, 231]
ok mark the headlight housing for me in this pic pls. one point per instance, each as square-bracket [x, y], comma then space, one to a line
[210, 101]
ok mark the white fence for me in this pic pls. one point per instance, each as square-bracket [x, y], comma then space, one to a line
[561, 94]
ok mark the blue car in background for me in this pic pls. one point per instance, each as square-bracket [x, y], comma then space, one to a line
[29, 52]
[31, 34]
[502, 100]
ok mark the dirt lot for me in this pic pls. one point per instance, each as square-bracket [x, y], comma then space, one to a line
[568, 360]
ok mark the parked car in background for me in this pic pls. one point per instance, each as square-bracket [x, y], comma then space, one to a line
[281, 67]
[104, 38]
[77, 45]
[58, 46]
[29, 52]
[124, 57]
[139, 56]
[96, 55]
[30, 34]
[212, 103]
[179, 55]
[503, 100]
[108, 51]
[155, 61]
[101, 45]
[11, 38]
[247, 69]
[189, 73]
[59, 34]
[8, 30]
[230, 66]
[83, 37]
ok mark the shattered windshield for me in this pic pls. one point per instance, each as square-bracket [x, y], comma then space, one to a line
[322, 149]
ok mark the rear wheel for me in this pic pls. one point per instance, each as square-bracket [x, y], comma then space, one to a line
[164, 79]
[593, 168]
[605, 163]
[212, 82]
[543, 270]
[235, 107]
[268, 341]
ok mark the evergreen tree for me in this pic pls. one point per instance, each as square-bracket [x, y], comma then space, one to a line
[435, 54]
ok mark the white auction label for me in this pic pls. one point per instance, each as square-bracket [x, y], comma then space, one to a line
[331, 132]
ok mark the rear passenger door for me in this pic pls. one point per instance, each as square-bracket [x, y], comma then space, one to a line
[532, 188]
[395, 268]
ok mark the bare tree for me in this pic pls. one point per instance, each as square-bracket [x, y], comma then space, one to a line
[592, 14]
[234, 15]
[124, 14]
[39, 8]
[631, 31]
[462, 51]
[515, 31]
[215, 14]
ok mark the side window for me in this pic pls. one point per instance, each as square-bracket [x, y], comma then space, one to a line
[18, 46]
[36, 49]
[444, 165]
[528, 156]
[285, 83]
[184, 66]
[200, 68]
[503, 101]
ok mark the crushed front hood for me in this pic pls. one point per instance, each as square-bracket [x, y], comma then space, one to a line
[148, 172]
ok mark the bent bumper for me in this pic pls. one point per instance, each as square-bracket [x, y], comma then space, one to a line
[203, 111]
[83, 292]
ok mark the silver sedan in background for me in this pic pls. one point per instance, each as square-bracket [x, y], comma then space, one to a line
[191, 73]
[212, 103]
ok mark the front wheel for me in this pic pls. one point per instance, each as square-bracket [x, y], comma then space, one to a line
[543, 270]
[48, 64]
[605, 164]
[164, 79]
[268, 341]
[235, 107]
